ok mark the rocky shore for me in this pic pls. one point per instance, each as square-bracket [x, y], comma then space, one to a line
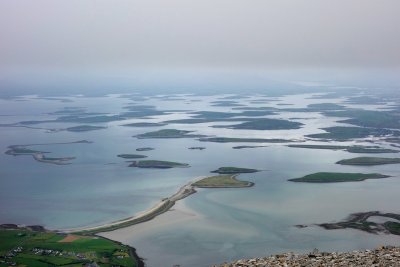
[381, 257]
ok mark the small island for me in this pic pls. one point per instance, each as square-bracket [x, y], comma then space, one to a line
[144, 149]
[351, 149]
[362, 221]
[264, 124]
[222, 181]
[158, 164]
[369, 161]
[234, 170]
[168, 133]
[197, 148]
[242, 140]
[337, 177]
[242, 147]
[84, 128]
[131, 156]
[144, 124]
[343, 133]
[40, 156]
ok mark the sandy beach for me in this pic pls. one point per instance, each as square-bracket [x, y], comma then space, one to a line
[178, 214]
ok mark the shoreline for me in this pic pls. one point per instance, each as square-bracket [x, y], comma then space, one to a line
[163, 206]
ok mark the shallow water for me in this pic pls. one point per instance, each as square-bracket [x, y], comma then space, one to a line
[99, 187]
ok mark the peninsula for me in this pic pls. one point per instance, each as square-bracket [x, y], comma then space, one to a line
[362, 221]
[219, 181]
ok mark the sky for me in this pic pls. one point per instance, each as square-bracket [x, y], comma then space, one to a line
[103, 35]
[253, 33]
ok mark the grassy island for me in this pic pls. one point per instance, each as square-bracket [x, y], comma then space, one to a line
[341, 133]
[222, 181]
[25, 247]
[157, 164]
[368, 161]
[242, 147]
[360, 221]
[168, 133]
[242, 140]
[234, 170]
[351, 149]
[264, 124]
[131, 156]
[144, 149]
[337, 177]
[84, 128]
[144, 124]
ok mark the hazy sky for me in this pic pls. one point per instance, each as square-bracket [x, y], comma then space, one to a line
[199, 33]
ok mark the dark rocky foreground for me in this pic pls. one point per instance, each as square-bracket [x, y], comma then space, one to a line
[382, 257]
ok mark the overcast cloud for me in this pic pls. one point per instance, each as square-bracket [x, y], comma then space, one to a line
[204, 33]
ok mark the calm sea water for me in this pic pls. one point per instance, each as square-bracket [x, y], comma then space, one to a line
[99, 187]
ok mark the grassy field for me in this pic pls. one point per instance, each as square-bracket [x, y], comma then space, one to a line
[368, 161]
[233, 170]
[28, 248]
[222, 181]
[336, 177]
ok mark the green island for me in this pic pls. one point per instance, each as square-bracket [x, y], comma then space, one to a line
[158, 164]
[168, 133]
[23, 246]
[342, 133]
[368, 118]
[215, 116]
[225, 103]
[351, 149]
[392, 227]
[144, 149]
[337, 177]
[243, 140]
[242, 147]
[360, 221]
[264, 124]
[222, 181]
[144, 124]
[17, 150]
[369, 161]
[234, 170]
[131, 156]
[196, 148]
[377, 150]
[84, 128]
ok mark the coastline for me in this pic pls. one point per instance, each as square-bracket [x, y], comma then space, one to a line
[163, 206]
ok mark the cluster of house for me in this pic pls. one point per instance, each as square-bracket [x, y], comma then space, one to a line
[54, 252]
[11, 254]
